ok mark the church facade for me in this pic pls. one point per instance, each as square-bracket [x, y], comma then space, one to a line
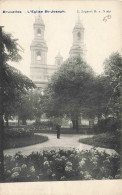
[40, 71]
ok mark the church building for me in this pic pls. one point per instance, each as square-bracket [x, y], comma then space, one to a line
[40, 71]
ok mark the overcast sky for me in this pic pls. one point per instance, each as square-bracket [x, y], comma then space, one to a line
[102, 37]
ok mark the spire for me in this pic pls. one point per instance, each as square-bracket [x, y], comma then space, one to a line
[78, 23]
[39, 20]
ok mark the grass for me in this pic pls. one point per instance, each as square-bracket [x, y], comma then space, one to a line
[23, 141]
[104, 140]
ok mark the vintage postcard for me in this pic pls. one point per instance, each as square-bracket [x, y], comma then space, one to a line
[60, 97]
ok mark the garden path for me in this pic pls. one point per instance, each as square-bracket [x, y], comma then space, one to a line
[66, 141]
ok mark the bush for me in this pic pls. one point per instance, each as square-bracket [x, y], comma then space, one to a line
[107, 125]
[44, 125]
[61, 166]
[18, 133]
[105, 140]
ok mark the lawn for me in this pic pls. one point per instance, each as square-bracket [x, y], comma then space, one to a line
[104, 140]
[16, 142]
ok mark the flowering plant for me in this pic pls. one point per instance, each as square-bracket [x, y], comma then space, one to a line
[62, 165]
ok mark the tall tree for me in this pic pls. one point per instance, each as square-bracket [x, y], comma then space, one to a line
[69, 90]
[16, 86]
[98, 99]
[12, 84]
[25, 108]
[113, 70]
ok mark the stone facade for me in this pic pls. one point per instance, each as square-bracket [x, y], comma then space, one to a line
[78, 47]
[40, 71]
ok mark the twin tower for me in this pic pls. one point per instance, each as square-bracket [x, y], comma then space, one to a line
[40, 71]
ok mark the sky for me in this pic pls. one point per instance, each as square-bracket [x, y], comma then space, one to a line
[101, 20]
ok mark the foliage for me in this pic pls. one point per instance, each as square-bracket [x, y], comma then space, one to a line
[12, 84]
[11, 48]
[18, 133]
[98, 99]
[29, 106]
[113, 70]
[56, 120]
[42, 125]
[36, 100]
[109, 124]
[110, 140]
[61, 166]
[69, 89]
[16, 86]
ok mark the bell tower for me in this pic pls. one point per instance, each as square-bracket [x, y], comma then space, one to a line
[78, 47]
[38, 67]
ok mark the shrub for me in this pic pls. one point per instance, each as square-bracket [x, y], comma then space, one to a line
[62, 165]
[109, 124]
[44, 125]
[18, 133]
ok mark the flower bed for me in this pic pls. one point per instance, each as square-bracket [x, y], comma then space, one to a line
[61, 166]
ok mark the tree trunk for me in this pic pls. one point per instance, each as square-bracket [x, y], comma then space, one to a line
[7, 124]
[24, 121]
[37, 119]
[74, 125]
[91, 123]
[99, 118]
[77, 125]
[18, 122]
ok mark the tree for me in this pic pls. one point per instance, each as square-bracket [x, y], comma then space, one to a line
[69, 90]
[36, 103]
[98, 99]
[12, 84]
[25, 109]
[16, 86]
[113, 70]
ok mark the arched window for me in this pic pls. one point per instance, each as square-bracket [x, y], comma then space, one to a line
[39, 32]
[79, 35]
[38, 56]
